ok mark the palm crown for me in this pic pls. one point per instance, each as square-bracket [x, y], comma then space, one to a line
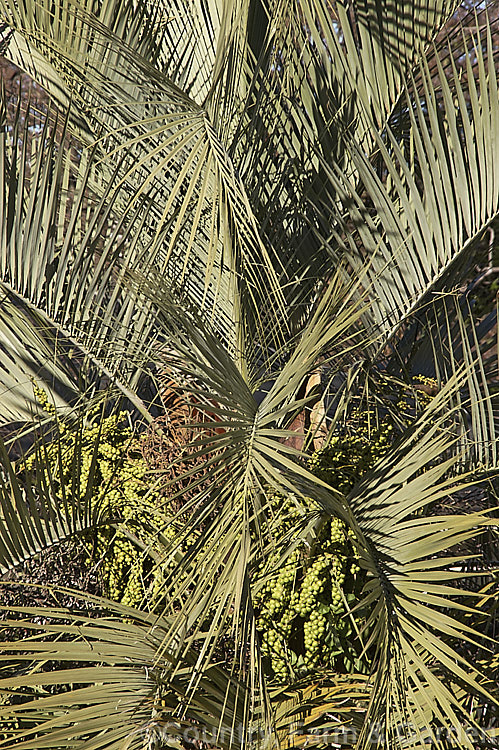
[238, 194]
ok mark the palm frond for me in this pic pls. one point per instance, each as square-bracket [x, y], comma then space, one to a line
[410, 590]
[62, 258]
[434, 192]
[324, 711]
[126, 690]
[203, 231]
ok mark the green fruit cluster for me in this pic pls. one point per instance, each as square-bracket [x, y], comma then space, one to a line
[300, 613]
[303, 613]
[347, 457]
[108, 455]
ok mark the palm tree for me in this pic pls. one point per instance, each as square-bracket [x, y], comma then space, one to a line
[238, 194]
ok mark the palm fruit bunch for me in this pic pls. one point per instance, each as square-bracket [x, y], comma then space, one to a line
[108, 454]
[303, 609]
[350, 455]
[300, 610]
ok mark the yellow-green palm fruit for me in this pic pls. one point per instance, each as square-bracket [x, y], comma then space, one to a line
[120, 482]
